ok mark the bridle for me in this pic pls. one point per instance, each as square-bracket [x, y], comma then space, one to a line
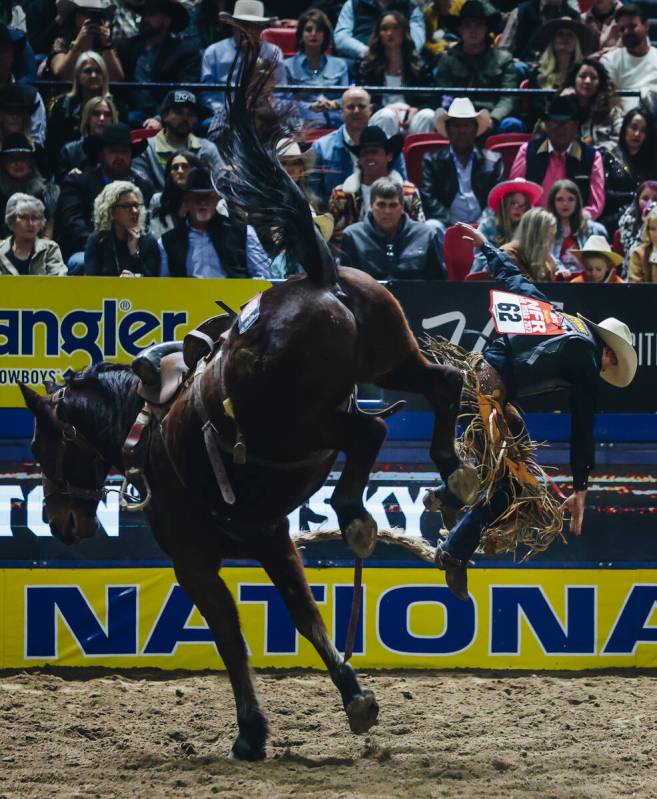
[71, 437]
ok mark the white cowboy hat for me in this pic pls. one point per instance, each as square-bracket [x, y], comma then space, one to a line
[252, 11]
[462, 108]
[616, 335]
[598, 245]
[289, 148]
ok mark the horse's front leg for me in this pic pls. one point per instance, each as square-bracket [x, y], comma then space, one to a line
[360, 438]
[280, 559]
[200, 580]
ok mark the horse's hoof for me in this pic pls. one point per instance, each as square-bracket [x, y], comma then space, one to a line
[361, 536]
[243, 750]
[362, 712]
[464, 482]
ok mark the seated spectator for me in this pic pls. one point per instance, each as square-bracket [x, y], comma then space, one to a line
[391, 61]
[25, 252]
[97, 113]
[531, 247]
[508, 202]
[155, 55]
[436, 14]
[210, 244]
[112, 153]
[167, 209]
[19, 173]
[559, 154]
[601, 18]
[530, 16]
[375, 154]
[298, 166]
[632, 66]
[573, 227]
[562, 43]
[312, 67]
[598, 261]
[457, 180]
[219, 57]
[64, 122]
[84, 25]
[600, 114]
[632, 219]
[179, 113]
[628, 163]
[205, 27]
[643, 256]
[10, 53]
[388, 244]
[475, 62]
[118, 246]
[16, 54]
[19, 103]
[358, 18]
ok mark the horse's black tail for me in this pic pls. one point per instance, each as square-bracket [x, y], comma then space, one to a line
[255, 182]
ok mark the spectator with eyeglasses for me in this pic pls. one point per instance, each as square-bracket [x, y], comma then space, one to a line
[119, 245]
[25, 252]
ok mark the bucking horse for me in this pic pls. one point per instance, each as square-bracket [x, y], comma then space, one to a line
[254, 426]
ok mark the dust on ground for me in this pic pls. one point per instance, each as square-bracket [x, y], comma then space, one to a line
[439, 734]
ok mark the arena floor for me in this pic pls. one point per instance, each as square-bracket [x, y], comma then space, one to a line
[439, 735]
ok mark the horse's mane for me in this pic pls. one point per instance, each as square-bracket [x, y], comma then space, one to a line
[255, 182]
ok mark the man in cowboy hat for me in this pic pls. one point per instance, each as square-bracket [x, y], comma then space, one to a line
[559, 154]
[219, 57]
[475, 62]
[179, 112]
[571, 355]
[112, 154]
[632, 67]
[375, 154]
[156, 55]
[10, 51]
[456, 180]
[210, 244]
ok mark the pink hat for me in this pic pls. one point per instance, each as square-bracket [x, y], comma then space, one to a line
[531, 190]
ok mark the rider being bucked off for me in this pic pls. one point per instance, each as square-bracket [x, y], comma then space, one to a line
[571, 353]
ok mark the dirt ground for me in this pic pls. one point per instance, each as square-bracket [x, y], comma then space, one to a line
[439, 735]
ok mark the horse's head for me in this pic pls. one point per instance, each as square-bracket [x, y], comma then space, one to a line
[73, 469]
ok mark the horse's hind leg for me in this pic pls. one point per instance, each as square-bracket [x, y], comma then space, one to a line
[442, 386]
[360, 438]
[281, 561]
[201, 582]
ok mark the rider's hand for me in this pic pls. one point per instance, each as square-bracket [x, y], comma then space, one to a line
[471, 234]
[575, 505]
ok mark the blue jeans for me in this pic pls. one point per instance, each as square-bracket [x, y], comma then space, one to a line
[463, 538]
[75, 264]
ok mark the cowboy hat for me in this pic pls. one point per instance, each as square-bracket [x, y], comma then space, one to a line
[199, 181]
[101, 8]
[616, 335]
[172, 8]
[531, 190]
[587, 37]
[114, 135]
[289, 148]
[474, 9]
[374, 136]
[16, 144]
[252, 11]
[19, 97]
[462, 108]
[325, 224]
[562, 108]
[598, 245]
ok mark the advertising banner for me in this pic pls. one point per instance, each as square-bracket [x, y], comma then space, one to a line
[530, 619]
[48, 325]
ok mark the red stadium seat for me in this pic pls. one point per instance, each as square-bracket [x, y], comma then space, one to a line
[503, 138]
[412, 138]
[459, 254]
[414, 155]
[508, 150]
[585, 5]
[139, 134]
[525, 103]
[285, 38]
[312, 134]
[616, 243]
[472, 277]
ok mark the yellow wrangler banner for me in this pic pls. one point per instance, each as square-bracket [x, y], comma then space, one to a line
[49, 325]
[515, 619]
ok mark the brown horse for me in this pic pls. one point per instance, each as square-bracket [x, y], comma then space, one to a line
[280, 386]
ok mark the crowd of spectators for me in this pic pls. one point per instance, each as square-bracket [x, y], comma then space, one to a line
[105, 171]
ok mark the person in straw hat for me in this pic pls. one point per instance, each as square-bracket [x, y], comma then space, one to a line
[457, 180]
[599, 262]
[538, 350]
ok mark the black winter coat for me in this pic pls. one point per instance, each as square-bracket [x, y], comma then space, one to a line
[105, 256]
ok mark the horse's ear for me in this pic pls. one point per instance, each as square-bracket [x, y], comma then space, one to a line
[33, 400]
[50, 386]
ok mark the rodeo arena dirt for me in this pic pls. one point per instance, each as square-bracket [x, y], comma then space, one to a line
[312, 544]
